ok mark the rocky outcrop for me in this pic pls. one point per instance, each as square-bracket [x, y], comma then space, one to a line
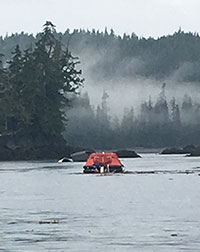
[65, 160]
[195, 152]
[124, 153]
[81, 156]
[185, 150]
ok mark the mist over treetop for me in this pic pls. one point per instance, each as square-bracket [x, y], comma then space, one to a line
[127, 103]
[105, 55]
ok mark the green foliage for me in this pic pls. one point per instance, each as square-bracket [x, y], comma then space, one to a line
[158, 124]
[115, 56]
[36, 83]
[35, 87]
[5, 102]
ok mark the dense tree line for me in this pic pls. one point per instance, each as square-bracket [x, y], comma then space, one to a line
[34, 90]
[42, 66]
[157, 124]
[113, 56]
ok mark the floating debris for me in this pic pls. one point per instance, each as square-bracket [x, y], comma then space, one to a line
[163, 172]
[49, 222]
[149, 172]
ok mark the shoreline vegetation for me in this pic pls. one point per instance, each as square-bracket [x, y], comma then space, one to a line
[35, 88]
[43, 115]
[11, 152]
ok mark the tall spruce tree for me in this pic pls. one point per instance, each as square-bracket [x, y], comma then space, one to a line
[35, 90]
[53, 75]
[4, 98]
[15, 115]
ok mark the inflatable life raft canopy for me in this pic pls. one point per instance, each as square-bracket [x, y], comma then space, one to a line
[103, 162]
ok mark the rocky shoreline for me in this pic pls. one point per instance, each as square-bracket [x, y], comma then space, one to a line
[19, 147]
[189, 150]
[16, 147]
[13, 148]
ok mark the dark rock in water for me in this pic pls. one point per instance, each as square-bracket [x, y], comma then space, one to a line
[65, 160]
[185, 150]
[174, 235]
[172, 151]
[127, 154]
[81, 156]
[195, 152]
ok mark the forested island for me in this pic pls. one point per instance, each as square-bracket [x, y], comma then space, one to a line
[34, 89]
[46, 107]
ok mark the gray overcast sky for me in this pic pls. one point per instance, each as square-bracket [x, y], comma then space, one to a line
[144, 17]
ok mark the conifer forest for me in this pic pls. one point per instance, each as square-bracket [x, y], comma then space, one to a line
[46, 98]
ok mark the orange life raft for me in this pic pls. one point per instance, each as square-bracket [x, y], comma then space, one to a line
[103, 163]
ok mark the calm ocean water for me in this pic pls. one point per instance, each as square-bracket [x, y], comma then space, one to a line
[151, 212]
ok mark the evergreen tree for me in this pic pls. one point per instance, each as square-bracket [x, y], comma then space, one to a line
[35, 90]
[103, 124]
[4, 99]
[15, 115]
[176, 127]
[127, 127]
[54, 75]
[161, 108]
[81, 128]
[187, 110]
[175, 113]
